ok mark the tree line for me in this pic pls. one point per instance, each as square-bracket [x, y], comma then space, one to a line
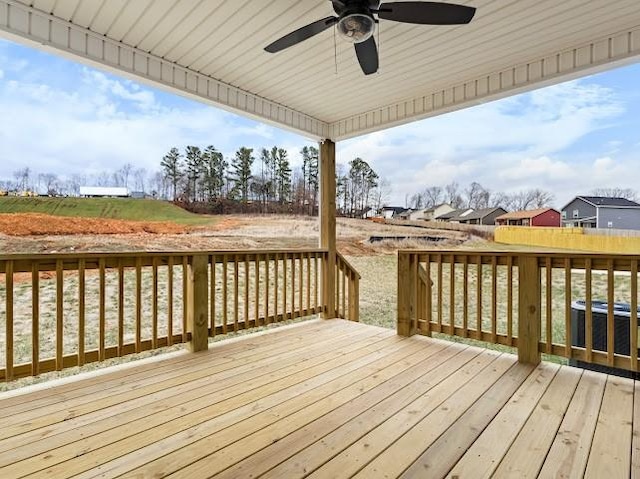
[264, 181]
[202, 179]
[477, 196]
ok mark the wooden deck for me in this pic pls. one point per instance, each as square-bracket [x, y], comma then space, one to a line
[327, 399]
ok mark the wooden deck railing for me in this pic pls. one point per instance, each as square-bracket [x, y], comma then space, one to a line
[63, 310]
[347, 290]
[524, 300]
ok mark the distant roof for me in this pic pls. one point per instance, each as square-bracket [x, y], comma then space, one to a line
[393, 208]
[433, 208]
[524, 214]
[452, 214]
[479, 214]
[608, 201]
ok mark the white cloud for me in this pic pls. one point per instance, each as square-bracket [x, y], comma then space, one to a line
[103, 123]
[506, 145]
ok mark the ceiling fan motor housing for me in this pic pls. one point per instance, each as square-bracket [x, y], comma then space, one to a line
[356, 23]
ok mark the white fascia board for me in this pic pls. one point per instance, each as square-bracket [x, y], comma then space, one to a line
[601, 54]
[27, 25]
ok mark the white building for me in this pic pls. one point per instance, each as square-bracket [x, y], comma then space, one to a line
[103, 191]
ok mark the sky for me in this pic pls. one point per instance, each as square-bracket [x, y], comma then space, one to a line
[62, 117]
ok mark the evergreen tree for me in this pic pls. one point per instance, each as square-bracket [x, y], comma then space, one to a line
[194, 168]
[172, 169]
[214, 172]
[241, 172]
[283, 173]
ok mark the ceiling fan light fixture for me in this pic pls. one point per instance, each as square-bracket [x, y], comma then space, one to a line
[356, 27]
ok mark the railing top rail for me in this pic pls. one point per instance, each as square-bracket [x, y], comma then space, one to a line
[150, 254]
[551, 254]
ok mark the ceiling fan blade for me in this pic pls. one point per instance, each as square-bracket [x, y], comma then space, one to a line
[426, 13]
[301, 34]
[367, 53]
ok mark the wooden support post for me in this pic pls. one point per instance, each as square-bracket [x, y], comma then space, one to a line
[529, 309]
[328, 225]
[407, 304]
[198, 303]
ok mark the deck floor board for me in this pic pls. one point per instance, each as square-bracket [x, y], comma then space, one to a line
[327, 399]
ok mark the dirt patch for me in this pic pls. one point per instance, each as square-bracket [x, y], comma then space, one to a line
[227, 233]
[35, 224]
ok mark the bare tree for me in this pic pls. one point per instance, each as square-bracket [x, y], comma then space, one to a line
[542, 198]
[415, 202]
[382, 194]
[433, 196]
[50, 182]
[140, 175]
[22, 176]
[125, 173]
[477, 197]
[626, 193]
[452, 195]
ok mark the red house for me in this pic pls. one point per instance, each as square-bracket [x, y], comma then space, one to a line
[540, 217]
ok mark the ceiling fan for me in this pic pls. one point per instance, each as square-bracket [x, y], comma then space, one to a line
[356, 23]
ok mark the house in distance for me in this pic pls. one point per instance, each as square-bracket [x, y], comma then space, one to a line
[484, 216]
[538, 217]
[454, 216]
[601, 212]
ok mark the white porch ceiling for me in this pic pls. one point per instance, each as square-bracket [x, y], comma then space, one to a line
[213, 50]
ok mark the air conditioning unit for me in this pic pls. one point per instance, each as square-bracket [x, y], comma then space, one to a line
[621, 335]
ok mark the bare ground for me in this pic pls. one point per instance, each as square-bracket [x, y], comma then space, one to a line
[230, 232]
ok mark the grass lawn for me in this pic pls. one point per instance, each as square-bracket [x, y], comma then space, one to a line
[112, 208]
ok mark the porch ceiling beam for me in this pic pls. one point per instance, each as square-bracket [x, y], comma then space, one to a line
[27, 25]
[598, 55]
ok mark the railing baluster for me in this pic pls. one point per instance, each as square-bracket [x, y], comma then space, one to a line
[81, 310]
[440, 305]
[8, 282]
[59, 314]
[315, 281]
[35, 319]
[567, 308]
[121, 308]
[139, 304]
[301, 285]
[276, 286]
[548, 305]
[428, 304]
[154, 300]
[236, 293]
[225, 298]
[494, 299]
[588, 317]
[633, 321]
[452, 295]
[285, 260]
[293, 287]
[266, 289]
[308, 255]
[170, 301]
[212, 295]
[344, 289]
[102, 309]
[479, 298]
[351, 297]
[465, 296]
[610, 313]
[246, 292]
[256, 319]
[510, 299]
